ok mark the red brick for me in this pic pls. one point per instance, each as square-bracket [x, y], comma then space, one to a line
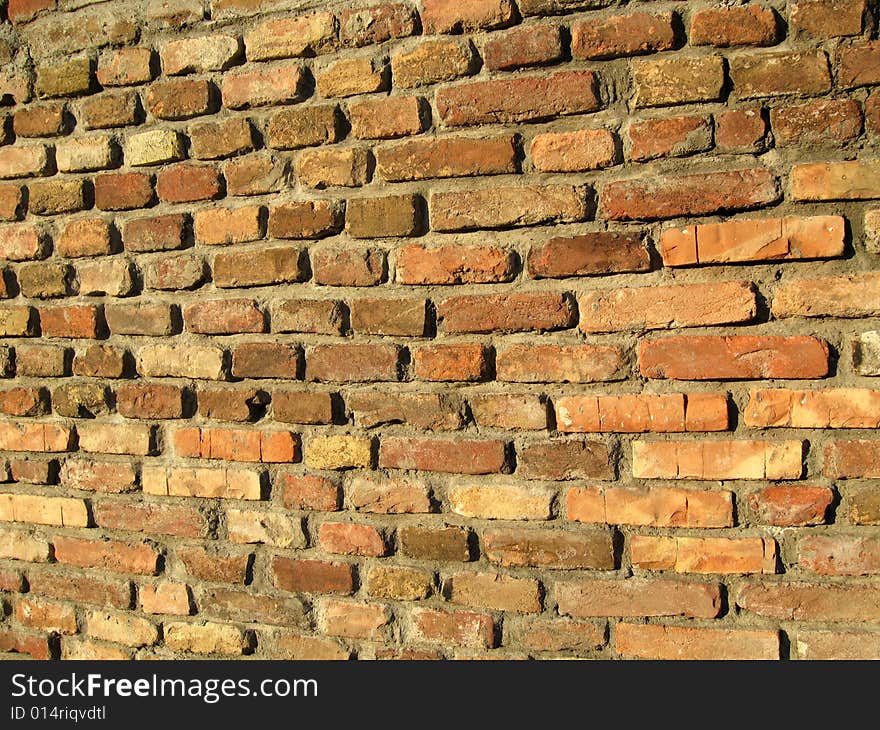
[671, 137]
[831, 408]
[773, 74]
[528, 98]
[125, 67]
[218, 140]
[388, 496]
[791, 601]
[827, 645]
[99, 361]
[305, 126]
[262, 267]
[443, 157]
[556, 635]
[376, 24]
[559, 363]
[352, 76]
[300, 406]
[106, 111]
[733, 358]
[99, 476]
[831, 122]
[311, 576]
[149, 401]
[348, 266]
[309, 493]
[82, 321]
[455, 457]
[564, 459]
[704, 554]
[275, 85]
[123, 191]
[586, 149]
[642, 413]
[499, 410]
[308, 34]
[391, 317]
[84, 237]
[24, 401]
[587, 549]
[315, 316]
[24, 642]
[165, 519]
[308, 219]
[333, 167]
[677, 642]
[11, 202]
[791, 506]
[395, 116]
[174, 272]
[454, 264]
[718, 460]
[352, 363]
[458, 628]
[831, 296]
[653, 507]
[212, 566]
[22, 243]
[21, 11]
[102, 591]
[222, 226]
[355, 620]
[351, 539]
[622, 35]
[839, 554]
[602, 252]
[255, 174]
[265, 360]
[494, 591]
[505, 312]
[764, 239]
[532, 45]
[858, 65]
[45, 120]
[455, 16]
[664, 307]
[824, 19]
[385, 217]
[451, 363]
[741, 130]
[186, 183]
[752, 25]
[671, 196]
[224, 316]
[230, 404]
[637, 597]
[111, 555]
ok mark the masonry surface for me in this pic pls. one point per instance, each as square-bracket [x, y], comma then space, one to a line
[452, 329]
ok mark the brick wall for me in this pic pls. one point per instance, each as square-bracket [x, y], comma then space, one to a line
[461, 328]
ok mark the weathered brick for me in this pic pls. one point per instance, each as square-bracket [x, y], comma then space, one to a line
[674, 413]
[395, 215]
[622, 35]
[154, 147]
[672, 137]
[392, 496]
[260, 87]
[774, 74]
[678, 80]
[671, 196]
[513, 312]
[527, 46]
[459, 628]
[45, 120]
[221, 226]
[827, 19]
[824, 123]
[500, 502]
[161, 233]
[665, 307]
[637, 597]
[375, 24]
[352, 76]
[263, 267]
[315, 316]
[460, 362]
[857, 65]
[218, 140]
[311, 576]
[809, 602]
[23, 161]
[704, 554]
[494, 591]
[123, 191]
[751, 25]
[524, 99]
[197, 55]
[334, 167]
[73, 321]
[831, 296]
[446, 157]
[291, 37]
[741, 130]
[352, 362]
[72, 77]
[304, 127]
[456, 457]
[106, 111]
[790, 506]
[677, 642]
[348, 267]
[737, 357]
[431, 61]
[52, 197]
[255, 174]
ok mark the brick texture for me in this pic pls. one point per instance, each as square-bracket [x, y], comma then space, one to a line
[442, 329]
